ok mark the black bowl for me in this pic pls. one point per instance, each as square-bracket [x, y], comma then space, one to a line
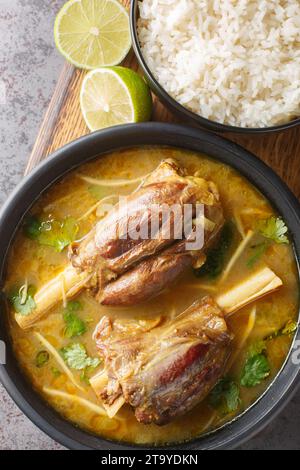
[83, 150]
[185, 114]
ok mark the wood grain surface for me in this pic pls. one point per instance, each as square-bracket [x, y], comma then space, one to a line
[63, 123]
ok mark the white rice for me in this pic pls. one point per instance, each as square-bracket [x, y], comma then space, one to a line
[231, 61]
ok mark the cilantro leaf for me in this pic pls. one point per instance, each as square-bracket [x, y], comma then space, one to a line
[22, 300]
[74, 325]
[225, 396]
[54, 233]
[256, 369]
[275, 229]
[76, 357]
[216, 257]
[42, 358]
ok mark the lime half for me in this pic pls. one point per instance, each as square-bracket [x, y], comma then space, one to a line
[93, 33]
[114, 95]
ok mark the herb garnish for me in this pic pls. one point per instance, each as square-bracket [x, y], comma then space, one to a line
[76, 357]
[274, 229]
[74, 325]
[42, 358]
[225, 396]
[216, 257]
[22, 299]
[256, 369]
[54, 233]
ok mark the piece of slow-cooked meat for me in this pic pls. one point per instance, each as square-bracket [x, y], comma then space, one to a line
[127, 242]
[132, 269]
[151, 276]
[110, 241]
[164, 372]
[147, 279]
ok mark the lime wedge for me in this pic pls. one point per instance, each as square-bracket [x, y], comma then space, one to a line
[93, 33]
[114, 95]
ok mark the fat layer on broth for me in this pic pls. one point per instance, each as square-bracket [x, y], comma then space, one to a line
[74, 197]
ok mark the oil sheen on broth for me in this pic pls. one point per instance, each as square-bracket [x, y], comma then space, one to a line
[243, 206]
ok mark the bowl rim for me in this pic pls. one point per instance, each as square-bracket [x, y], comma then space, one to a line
[88, 148]
[178, 108]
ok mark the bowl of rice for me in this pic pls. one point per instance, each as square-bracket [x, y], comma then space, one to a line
[227, 65]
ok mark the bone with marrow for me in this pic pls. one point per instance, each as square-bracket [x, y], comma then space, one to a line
[163, 372]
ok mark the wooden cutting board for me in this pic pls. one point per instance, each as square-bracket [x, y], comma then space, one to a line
[63, 123]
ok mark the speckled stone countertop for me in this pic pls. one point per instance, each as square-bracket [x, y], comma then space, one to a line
[29, 68]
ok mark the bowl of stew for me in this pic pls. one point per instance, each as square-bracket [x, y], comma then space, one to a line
[136, 349]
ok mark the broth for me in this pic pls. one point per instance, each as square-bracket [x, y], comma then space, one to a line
[37, 264]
